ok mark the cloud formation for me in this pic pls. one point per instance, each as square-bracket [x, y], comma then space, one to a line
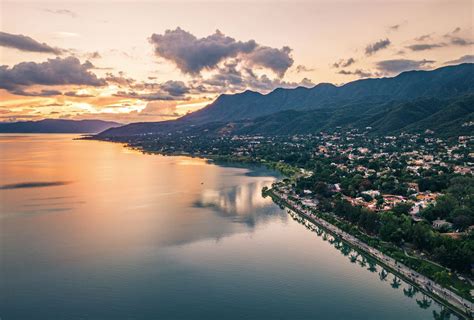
[400, 65]
[451, 38]
[162, 109]
[301, 68]
[358, 72]
[121, 80]
[148, 96]
[25, 43]
[58, 71]
[192, 55]
[277, 60]
[423, 37]
[62, 12]
[458, 41]
[377, 46]
[425, 46]
[230, 79]
[464, 59]
[78, 95]
[343, 63]
[175, 88]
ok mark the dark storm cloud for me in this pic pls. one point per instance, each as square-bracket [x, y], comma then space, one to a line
[191, 55]
[56, 71]
[400, 65]
[358, 72]
[277, 60]
[344, 63]
[25, 43]
[464, 59]
[377, 46]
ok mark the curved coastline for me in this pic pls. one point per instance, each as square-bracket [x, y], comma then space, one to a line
[455, 303]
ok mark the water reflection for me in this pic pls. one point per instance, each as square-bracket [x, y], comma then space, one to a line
[34, 184]
[409, 291]
[168, 237]
[242, 203]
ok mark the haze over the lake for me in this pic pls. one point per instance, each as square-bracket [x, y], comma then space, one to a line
[155, 60]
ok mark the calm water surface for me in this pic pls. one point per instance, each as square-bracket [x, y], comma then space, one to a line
[92, 230]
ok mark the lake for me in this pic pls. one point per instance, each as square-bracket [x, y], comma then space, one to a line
[93, 230]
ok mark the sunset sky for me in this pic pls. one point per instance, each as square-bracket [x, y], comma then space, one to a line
[156, 60]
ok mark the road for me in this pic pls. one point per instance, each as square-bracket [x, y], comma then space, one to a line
[415, 277]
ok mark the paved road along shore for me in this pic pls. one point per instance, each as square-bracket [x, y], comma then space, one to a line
[415, 277]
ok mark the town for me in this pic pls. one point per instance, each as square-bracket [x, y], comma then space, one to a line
[413, 192]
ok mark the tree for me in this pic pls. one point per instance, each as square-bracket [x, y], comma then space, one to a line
[443, 278]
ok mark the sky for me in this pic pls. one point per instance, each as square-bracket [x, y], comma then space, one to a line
[157, 60]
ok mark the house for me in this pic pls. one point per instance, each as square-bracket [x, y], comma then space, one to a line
[414, 186]
[438, 224]
[372, 193]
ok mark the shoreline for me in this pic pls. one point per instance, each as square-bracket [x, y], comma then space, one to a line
[429, 287]
[457, 307]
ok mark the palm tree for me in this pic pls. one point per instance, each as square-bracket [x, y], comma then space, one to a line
[396, 283]
[425, 303]
[363, 262]
[443, 315]
[372, 266]
[410, 292]
[346, 250]
[383, 275]
[353, 258]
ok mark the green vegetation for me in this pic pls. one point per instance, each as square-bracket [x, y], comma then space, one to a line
[400, 193]
[456, 205]
[440, 100]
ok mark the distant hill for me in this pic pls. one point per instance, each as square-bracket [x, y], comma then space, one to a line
[442, 83]
[446, 117]
[57, 126]
[388, 103]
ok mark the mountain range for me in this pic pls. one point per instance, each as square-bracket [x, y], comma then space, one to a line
[57, 126]
[441, 100]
